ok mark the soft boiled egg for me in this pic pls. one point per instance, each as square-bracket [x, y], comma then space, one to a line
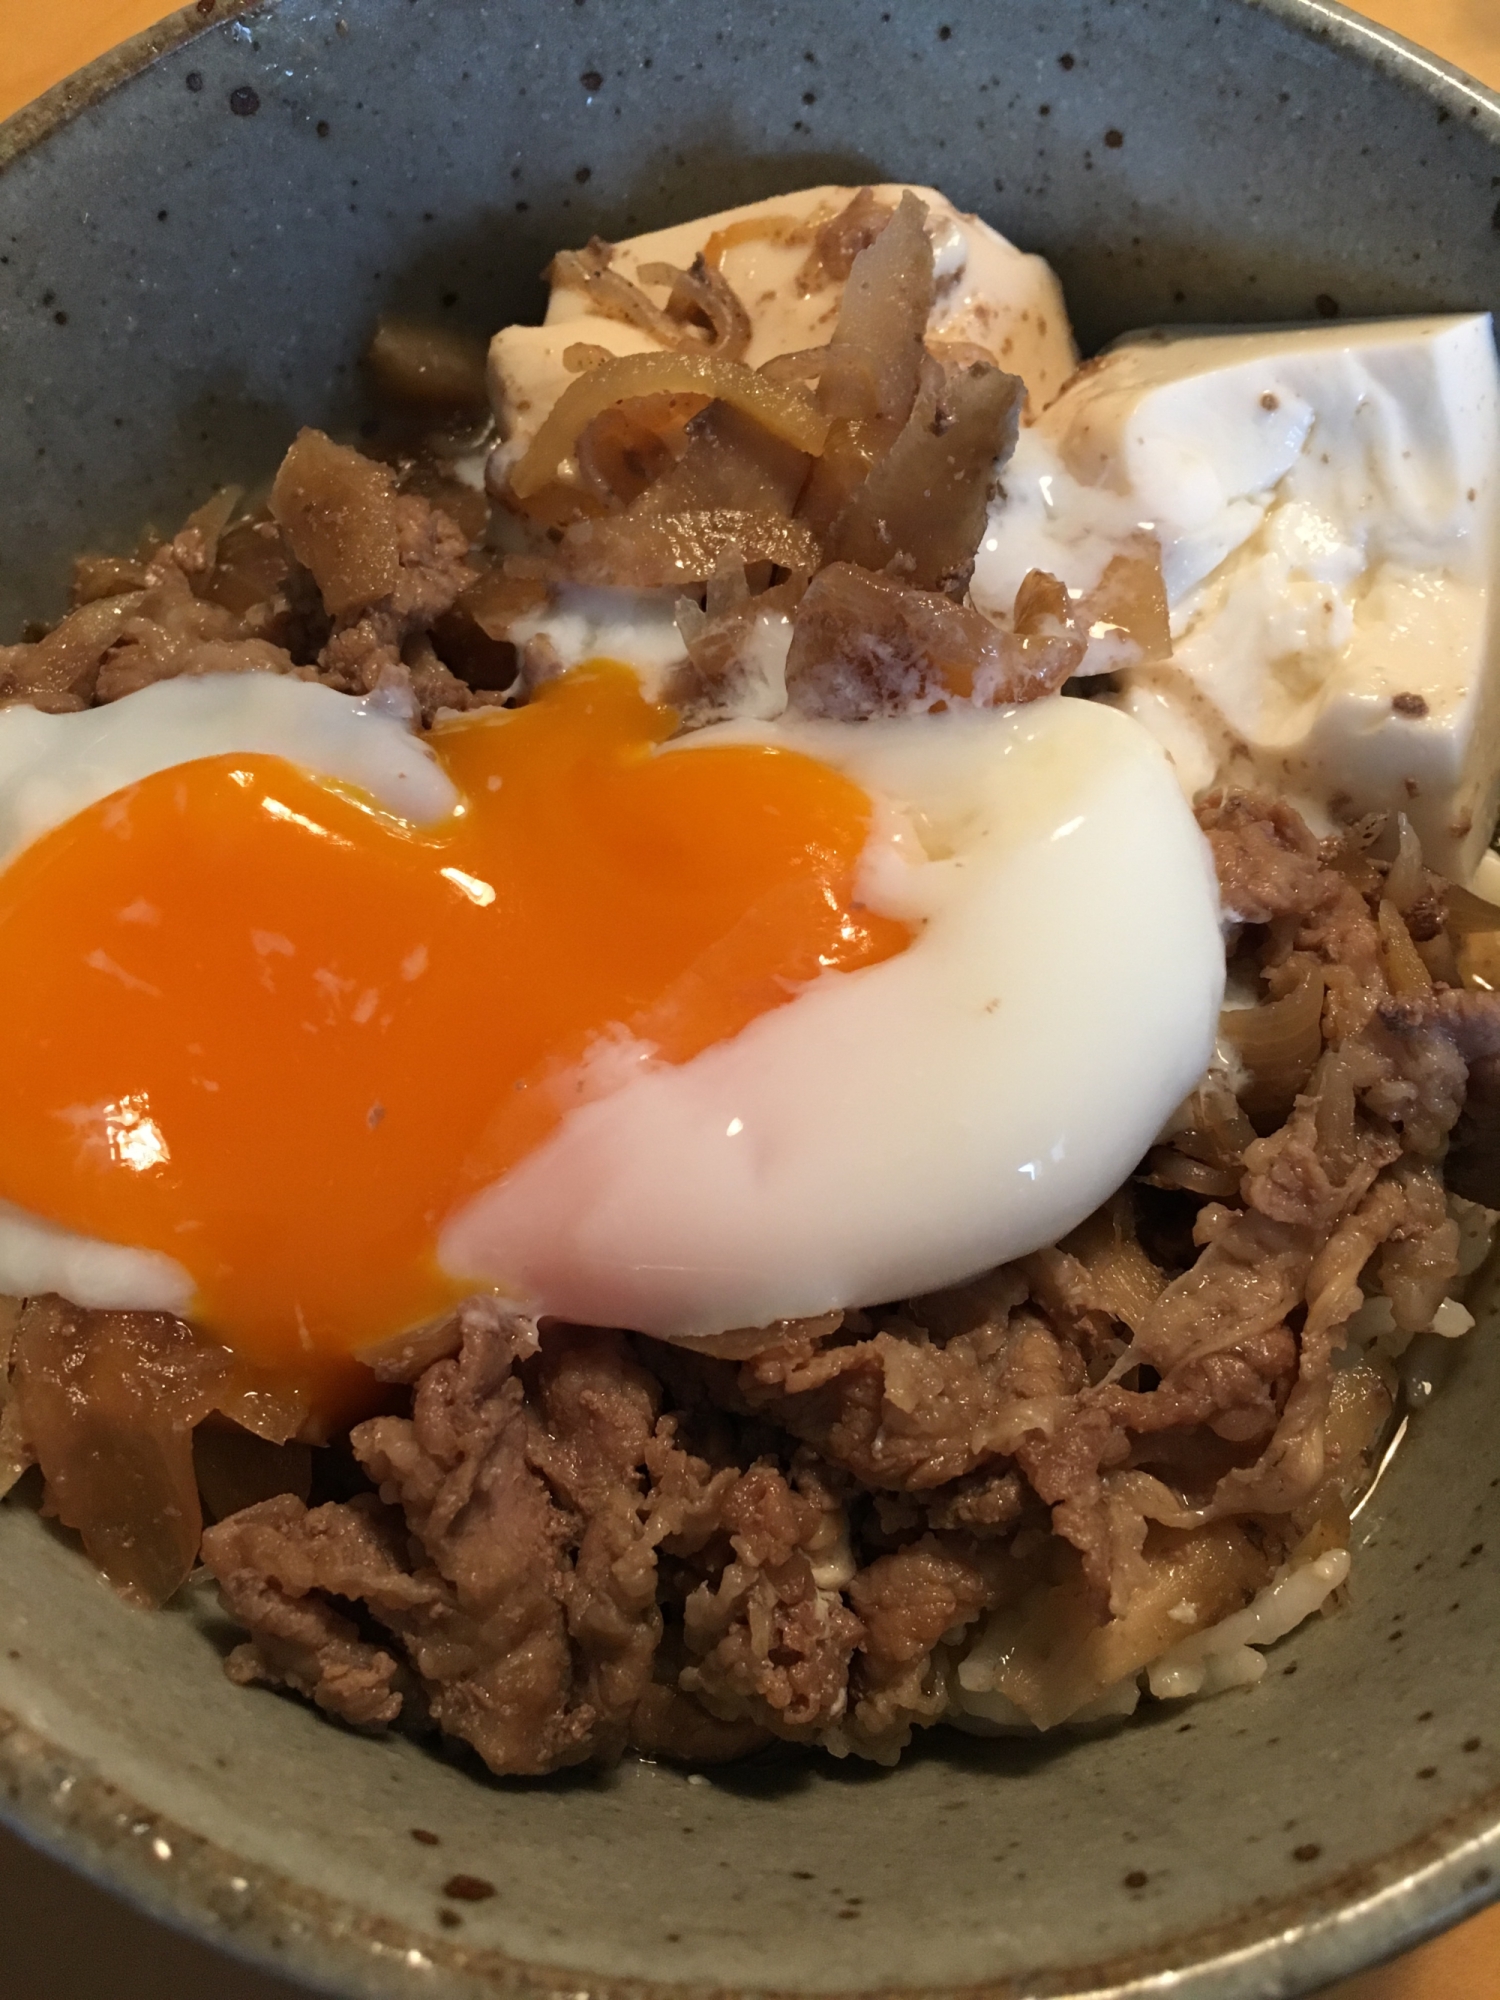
[315, 1027]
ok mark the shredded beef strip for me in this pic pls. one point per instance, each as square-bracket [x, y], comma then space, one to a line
[283, 1568]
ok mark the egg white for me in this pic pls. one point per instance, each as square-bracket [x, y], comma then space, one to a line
[899, 1128]
[53, 767]
[38, 1257]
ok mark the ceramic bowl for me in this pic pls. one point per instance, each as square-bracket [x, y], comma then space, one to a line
[191, 257]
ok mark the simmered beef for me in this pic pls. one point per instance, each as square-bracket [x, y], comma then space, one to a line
[581, 1540]
[342, 581]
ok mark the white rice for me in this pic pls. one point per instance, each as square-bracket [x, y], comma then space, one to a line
[1223, 1656]
[1227, 1655]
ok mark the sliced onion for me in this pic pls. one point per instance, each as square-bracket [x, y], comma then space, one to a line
[235, 1468]
[875, 356]
[1406, 878]
[726, 667]
[658, 551]
[1222, 1124]
[1124, 1278]
[403, 1356]
[753, 229]
[1213, 1140]
[1278, 1042]
[922, 508]
[1440, 958]
[781, 410]
[337, 513]
[212, 518]
[1065, 1653]
[1479, 961]
[702, 290]
[728, 460]
[1405, 973]
[614, 296]
[850, 452]
[839, 241]
[585, 354]
[252, 565]
[627, 447]
[109, 1403]
[1359, 1404]
[497, 599]
[802, 364]
[1469, 914]
[1169, 1168]
[1474, 926]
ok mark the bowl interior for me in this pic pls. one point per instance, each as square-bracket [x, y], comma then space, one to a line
[183, 280]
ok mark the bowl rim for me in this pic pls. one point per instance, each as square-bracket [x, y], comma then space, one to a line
[1286, 1945]
[67, 1809]
[44, 115]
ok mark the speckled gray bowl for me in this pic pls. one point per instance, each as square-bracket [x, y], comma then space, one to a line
[190, 259]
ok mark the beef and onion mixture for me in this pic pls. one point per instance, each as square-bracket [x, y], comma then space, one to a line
[1108, 1467]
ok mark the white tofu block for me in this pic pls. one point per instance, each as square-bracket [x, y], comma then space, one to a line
[1325, 499]
[989, 294]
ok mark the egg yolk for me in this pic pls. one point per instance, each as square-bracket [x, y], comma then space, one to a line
[258, 1024]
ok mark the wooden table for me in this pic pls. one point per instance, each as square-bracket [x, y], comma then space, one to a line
[59, 1936]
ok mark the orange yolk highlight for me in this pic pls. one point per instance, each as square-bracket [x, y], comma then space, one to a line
[259, 1025]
